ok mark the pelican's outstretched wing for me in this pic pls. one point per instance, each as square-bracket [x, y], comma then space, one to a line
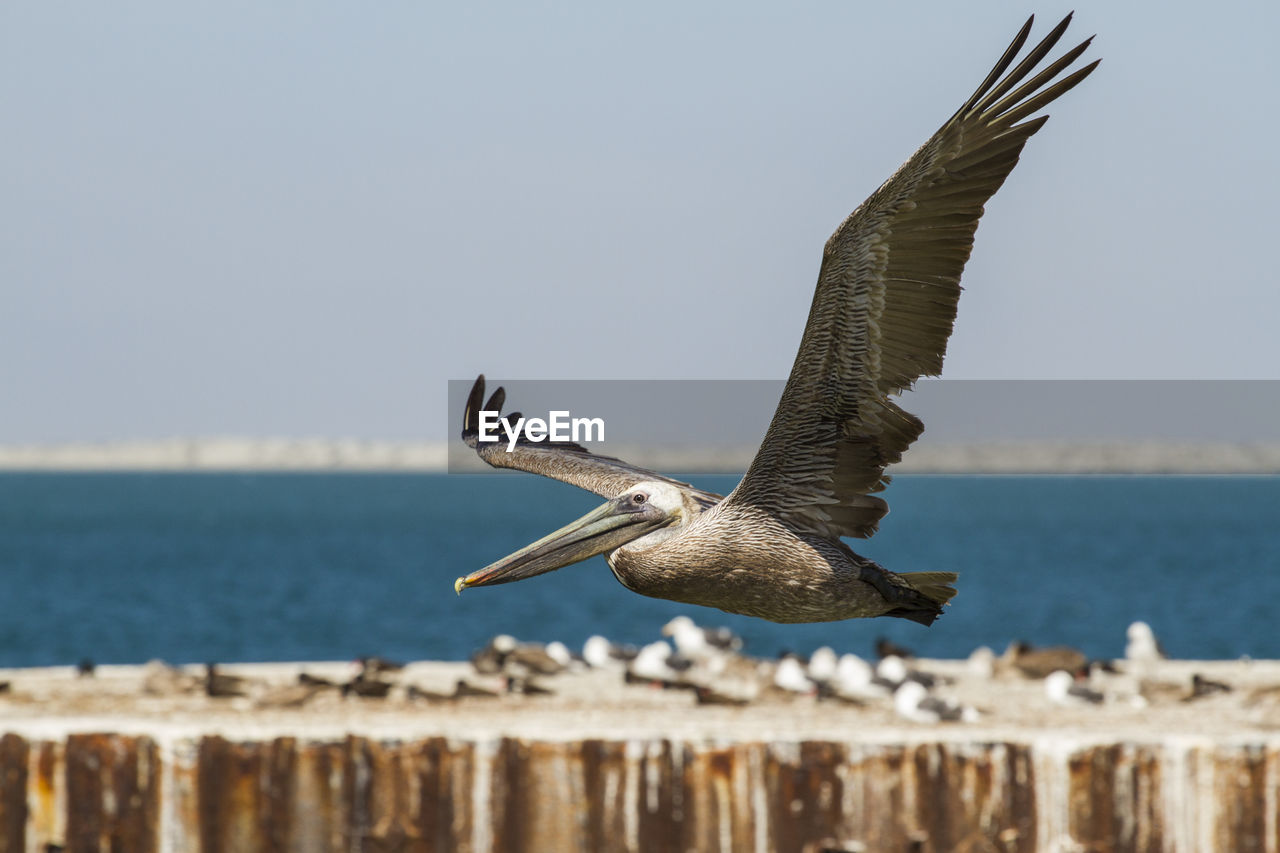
[560, 460]
[885, 302]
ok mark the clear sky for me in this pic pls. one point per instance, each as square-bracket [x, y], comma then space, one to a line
[302, 219]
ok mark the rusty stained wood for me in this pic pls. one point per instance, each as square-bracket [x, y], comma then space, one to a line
[14, 757]
[927, 797]
[413, 797]
[46, 796]
[1115, 798]
[609, 796]
[363, 795]
[113, 793]
[1246, 788]
[281, 796]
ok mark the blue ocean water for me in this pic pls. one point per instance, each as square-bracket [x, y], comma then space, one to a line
[123, 568]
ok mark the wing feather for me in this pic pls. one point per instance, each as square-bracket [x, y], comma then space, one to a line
[885, 303]
[565, 461]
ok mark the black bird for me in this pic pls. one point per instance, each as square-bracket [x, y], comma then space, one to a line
[886, 648]
[534, 658]
[314, 680]
[219, 685]
[1201, 687]
[367, 687]
[467, 688]
[1062, 689]
[490, 659]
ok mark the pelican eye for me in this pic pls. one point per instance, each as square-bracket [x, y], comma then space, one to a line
[639, 498]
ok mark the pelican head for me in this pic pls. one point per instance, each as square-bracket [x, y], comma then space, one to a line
[640, 510]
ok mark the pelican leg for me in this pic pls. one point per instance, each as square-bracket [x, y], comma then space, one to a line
[890, 585]
[907, 600]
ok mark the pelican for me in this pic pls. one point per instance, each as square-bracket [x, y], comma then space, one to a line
[881, 315]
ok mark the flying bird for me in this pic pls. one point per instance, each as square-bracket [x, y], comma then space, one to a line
[881, 315]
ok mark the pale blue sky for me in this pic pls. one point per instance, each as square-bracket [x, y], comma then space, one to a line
[302, 219]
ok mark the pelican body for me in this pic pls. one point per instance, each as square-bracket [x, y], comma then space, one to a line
[747, 561]
[882, 313]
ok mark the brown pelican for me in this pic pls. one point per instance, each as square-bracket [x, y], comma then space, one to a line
[881, 315]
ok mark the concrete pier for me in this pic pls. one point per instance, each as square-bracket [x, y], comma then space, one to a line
[103, 764]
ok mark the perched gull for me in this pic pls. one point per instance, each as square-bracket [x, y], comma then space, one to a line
[822, 665]
[709, 651]
[855, 681]
[913, 702]
[893, 670]
[559, 653]
[597, 651]
[656, 663]
[1061, 688]
[789, 676]
[695, 641]
[1142, 647]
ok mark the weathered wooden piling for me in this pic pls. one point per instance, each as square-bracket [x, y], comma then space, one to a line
[207, 793]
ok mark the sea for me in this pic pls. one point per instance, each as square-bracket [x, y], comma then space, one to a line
[198, 567]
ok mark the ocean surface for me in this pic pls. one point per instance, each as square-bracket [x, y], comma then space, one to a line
[123, 568]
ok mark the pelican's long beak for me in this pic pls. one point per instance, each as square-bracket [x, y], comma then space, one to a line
[611, 525]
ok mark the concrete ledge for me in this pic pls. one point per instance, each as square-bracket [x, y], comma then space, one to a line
[92, 764]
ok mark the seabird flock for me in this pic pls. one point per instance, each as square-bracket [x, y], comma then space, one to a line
[881, 316]
[694, 666]
[710, 665]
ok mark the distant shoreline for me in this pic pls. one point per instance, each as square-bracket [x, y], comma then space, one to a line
[313, 454]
